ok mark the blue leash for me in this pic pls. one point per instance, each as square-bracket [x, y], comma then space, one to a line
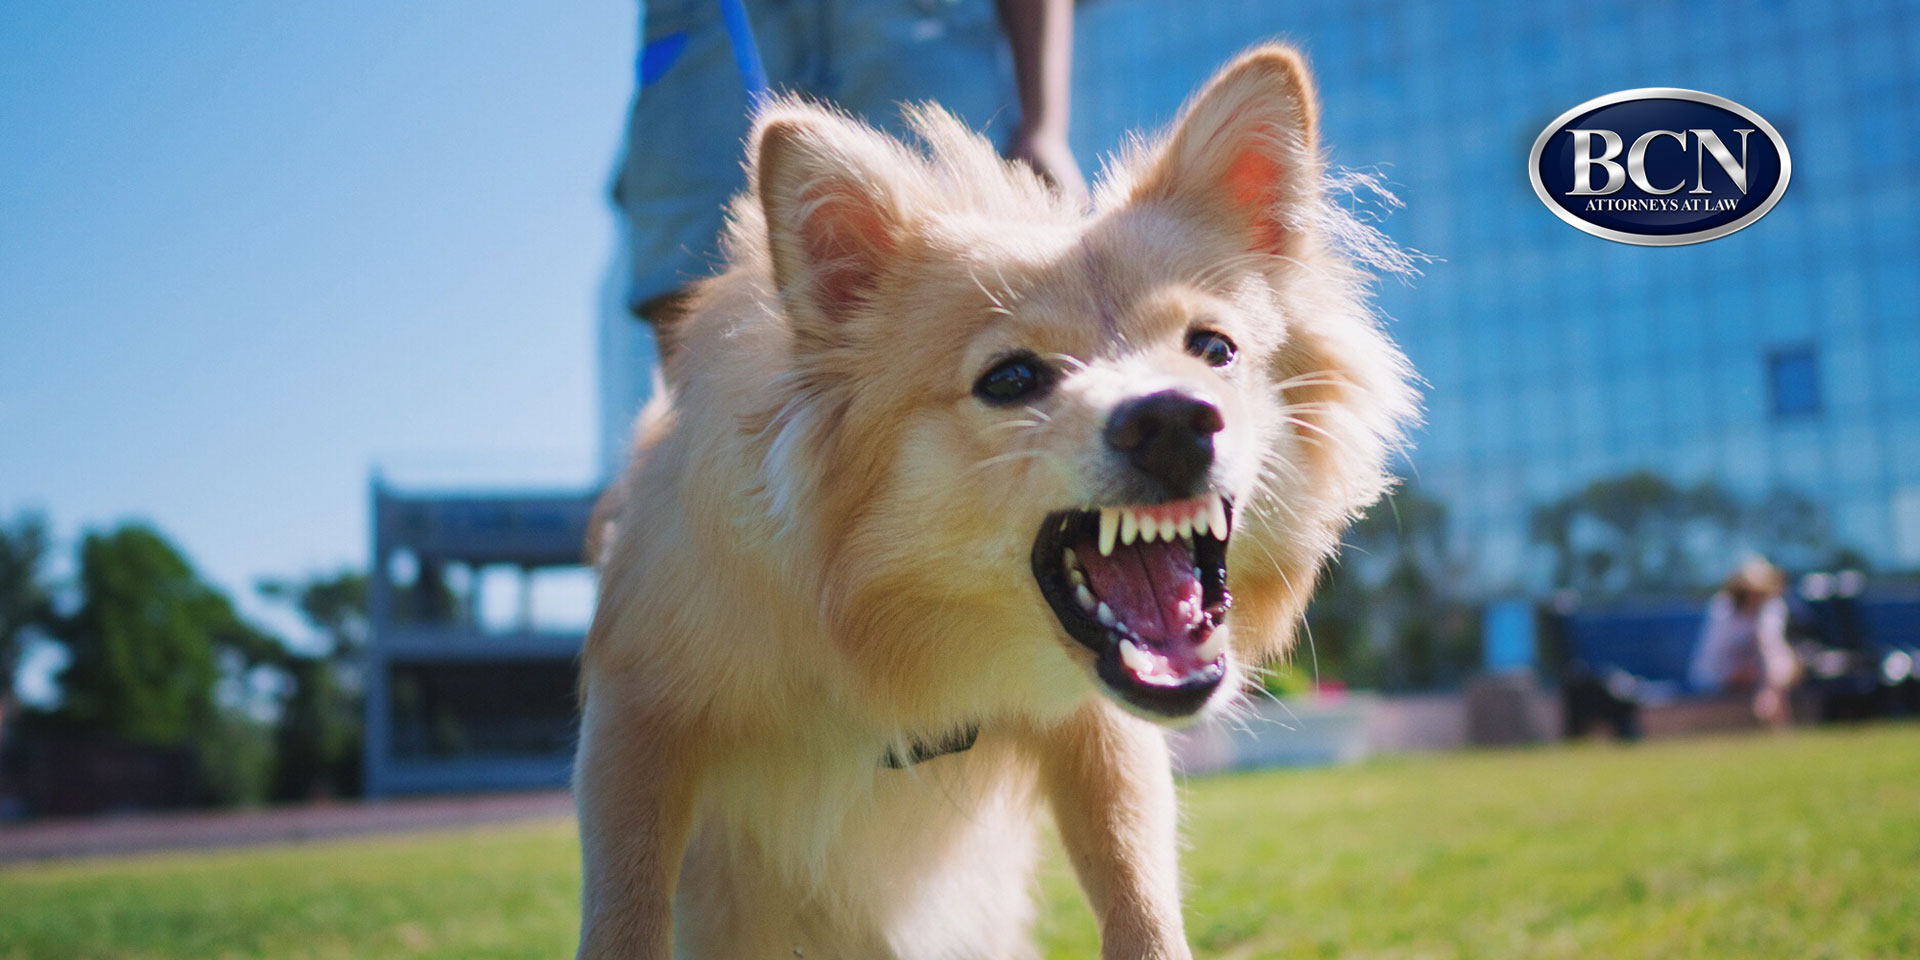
[746, 52]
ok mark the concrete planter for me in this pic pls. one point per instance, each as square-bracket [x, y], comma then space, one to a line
[1295, 732]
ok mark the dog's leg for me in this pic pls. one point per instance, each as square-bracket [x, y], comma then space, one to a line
[1110, 783]
[635, 783]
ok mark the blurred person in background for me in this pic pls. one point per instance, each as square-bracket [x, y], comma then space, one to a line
[1743, 648]
[697, 76]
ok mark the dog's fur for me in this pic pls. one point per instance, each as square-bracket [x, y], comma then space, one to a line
[820, 551]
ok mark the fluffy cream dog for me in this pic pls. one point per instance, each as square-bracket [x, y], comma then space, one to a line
[941, 518]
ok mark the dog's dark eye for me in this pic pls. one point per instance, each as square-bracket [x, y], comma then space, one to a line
[1215, 348]
[1013, 379]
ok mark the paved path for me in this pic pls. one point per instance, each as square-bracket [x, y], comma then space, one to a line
[138, 833]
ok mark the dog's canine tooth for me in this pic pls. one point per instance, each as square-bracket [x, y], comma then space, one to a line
[1217, 521]
[1136, 659]
[1209, 651]
[1129, 528]
[1084, 596]
[1105, 613]
[1109, 525]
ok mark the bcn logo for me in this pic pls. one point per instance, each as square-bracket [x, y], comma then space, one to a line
[1660, 166]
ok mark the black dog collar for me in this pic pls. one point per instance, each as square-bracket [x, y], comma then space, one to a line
[920, 751]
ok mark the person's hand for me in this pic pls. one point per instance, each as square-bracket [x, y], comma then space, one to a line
[1048, 154]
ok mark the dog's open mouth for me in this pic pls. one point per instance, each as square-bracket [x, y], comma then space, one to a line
[1145, 588]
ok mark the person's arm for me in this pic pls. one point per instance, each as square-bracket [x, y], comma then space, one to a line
[1776, 657]
[1777, 665]
[1708, 672]
[1041, 35]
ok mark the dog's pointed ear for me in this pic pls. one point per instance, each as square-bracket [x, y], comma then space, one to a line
[833, 202]
[1245, 152]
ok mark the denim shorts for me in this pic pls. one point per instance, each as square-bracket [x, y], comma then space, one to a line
[688, 125]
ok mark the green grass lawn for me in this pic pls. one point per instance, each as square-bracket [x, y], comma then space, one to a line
[1805, 846]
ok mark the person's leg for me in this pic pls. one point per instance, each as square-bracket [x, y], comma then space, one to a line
[681, 159]
[888, 52]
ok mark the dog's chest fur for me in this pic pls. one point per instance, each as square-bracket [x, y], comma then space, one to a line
[875, 862]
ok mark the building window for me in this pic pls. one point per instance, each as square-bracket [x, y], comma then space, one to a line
[1793, 382]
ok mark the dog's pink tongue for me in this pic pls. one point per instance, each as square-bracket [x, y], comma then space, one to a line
[1146, 585]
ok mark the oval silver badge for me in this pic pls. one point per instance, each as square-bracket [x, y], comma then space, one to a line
[1660, 166]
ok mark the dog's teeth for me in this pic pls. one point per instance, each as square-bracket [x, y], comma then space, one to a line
[1167, 529]
[1217, 521]
[1070, 558]
[1105, 613]
[1200, 519]
[1109, 525]
[1136, 659]
[1129, 528]
[1075, 577]
[1084, 596]
[1211, 650]
[1186, 528]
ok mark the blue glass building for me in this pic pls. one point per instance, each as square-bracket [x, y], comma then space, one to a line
[1783, 357]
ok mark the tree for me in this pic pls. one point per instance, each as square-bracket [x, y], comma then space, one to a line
[335, 604]
[146, 647]
[1394, 610]
[317, 744]
[1639, 533]
[26, 605]
[25, 602]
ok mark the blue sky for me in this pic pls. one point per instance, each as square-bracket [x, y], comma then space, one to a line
[250, 250]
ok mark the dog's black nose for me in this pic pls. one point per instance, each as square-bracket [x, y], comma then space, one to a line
[1167, 436]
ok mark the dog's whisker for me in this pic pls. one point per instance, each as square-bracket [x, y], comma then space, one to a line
[1010, 457]
[1016, 425]
[1342, 442]
[1069, 360]
[1223, 269]
[1002, 277]
[1305, 384]
[1311, 406]
[1046, 457]
[995, 304]
[1306, 627]
[1329, 375]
